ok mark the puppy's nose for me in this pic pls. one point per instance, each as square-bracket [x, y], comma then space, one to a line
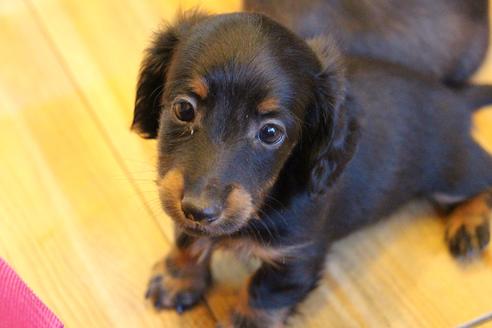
[199, 210]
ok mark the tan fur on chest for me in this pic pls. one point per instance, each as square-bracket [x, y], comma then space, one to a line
[246, 248]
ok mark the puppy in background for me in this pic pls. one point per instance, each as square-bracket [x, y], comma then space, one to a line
[446, 39]
[277, 146]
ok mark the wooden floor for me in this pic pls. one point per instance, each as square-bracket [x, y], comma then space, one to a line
[80, 219]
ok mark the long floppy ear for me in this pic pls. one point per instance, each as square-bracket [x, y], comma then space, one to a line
[334, 129]
[153, 70]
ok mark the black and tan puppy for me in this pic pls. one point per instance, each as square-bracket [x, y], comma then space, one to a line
[445, 38]
[275, 146]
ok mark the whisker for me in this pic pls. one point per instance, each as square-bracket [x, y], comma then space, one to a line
[261, 220]
[279, 214]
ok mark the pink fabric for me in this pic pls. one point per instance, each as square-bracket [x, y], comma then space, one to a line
[19, 307]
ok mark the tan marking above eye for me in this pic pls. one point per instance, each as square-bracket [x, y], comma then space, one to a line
[200, 87]
[268, 105]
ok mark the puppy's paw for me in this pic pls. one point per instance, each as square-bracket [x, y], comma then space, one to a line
[468, 231]
[254, 320]
[171, 287]
[246, 316]
[238, 320]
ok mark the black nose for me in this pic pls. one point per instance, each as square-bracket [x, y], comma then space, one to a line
[199, 210]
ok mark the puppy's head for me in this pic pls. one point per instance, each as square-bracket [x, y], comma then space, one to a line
[232, 99]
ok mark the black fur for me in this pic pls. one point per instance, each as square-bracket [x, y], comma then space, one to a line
[153, 71]
[445, 38]
[363, 137]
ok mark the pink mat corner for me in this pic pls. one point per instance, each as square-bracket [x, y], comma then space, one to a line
[19, 307]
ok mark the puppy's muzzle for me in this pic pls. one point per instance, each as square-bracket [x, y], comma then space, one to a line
[214, 214]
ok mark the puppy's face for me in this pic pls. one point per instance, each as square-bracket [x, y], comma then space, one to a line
[228, 98]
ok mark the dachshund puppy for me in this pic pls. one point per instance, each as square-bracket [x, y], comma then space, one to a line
[445, 38]
[277, 147]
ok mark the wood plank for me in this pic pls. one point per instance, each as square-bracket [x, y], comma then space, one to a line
[104, 65]
[483, 119]
[72, 226]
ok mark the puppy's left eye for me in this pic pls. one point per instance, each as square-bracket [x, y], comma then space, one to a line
[184, 109]
[271, 134]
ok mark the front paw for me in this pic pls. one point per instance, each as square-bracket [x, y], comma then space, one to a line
[243, 317]
[172, 287]
[237, 320]
[468, 237]
[468, 230]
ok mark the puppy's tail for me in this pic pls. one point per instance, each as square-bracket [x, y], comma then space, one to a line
[478, 95]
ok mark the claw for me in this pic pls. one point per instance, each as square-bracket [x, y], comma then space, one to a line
[155, 280]
[158, 304]
[180, 308]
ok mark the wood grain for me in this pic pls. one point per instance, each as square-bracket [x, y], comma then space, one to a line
[79, 216]
[72, 225]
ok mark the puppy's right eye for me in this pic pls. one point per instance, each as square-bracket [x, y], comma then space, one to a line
[184, 109]
[271, 134]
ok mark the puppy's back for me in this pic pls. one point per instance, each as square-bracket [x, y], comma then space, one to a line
[445, 38]
[415, 140]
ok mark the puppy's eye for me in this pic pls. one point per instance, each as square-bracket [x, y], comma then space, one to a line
[184, 109]
[271, 134]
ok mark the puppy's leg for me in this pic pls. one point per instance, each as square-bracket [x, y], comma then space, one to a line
[468, 230]
[272, 293]
[467, 194]
[183, 276]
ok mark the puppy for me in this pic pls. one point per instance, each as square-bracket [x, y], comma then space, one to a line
[445, 38]
[277, 147]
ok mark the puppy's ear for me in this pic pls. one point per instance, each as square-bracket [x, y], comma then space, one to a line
[153, 71]
[332, 126]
